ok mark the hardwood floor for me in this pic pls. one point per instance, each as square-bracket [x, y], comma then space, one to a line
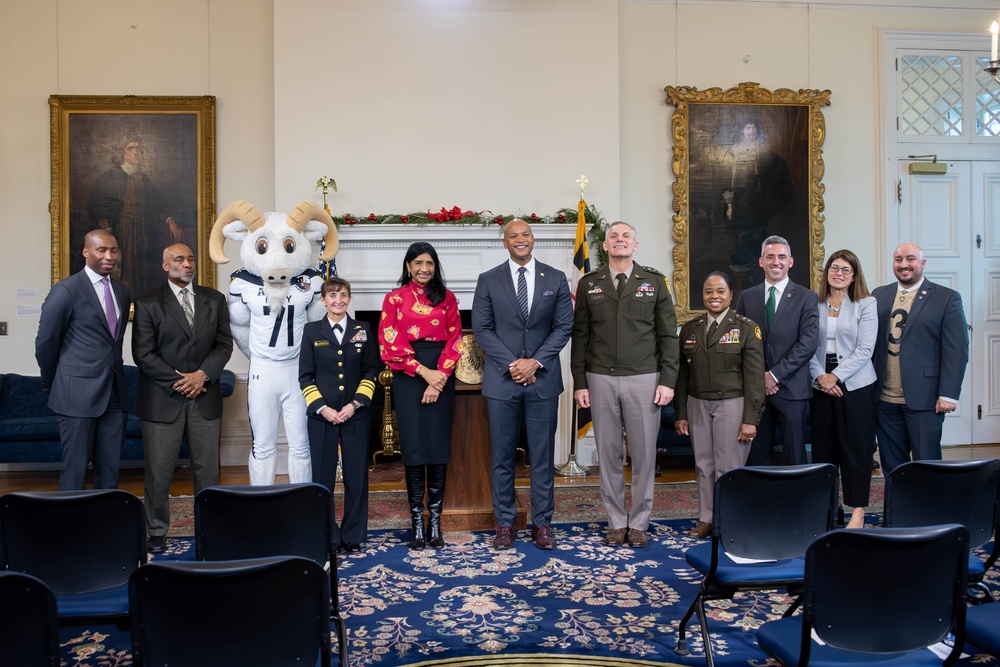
[387, 476]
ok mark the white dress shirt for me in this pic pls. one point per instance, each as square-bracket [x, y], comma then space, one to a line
[177, 294]
[97, 280]
[529, 277]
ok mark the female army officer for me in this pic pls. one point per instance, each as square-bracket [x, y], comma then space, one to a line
[720, 390]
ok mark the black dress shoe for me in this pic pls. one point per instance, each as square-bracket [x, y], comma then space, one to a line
[156, 544]
[350, 547]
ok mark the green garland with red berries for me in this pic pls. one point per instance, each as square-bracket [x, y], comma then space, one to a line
[456, 216]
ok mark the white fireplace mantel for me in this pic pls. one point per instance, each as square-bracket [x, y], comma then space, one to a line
[371, 256]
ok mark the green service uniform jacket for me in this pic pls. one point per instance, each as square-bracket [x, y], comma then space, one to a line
[729, 365]
[631, 334]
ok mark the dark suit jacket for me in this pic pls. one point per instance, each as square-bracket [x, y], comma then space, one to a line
[163, 343]
[74, 349]
[500, 329]
[933, 346]
[791, 340]
[334, 374]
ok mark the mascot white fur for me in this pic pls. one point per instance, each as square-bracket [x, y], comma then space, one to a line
[270, 300]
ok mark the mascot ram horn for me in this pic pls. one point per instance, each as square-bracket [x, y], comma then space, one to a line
[270, 300]
[274, 246]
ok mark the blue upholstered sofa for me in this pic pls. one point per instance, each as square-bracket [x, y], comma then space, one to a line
[29, 431]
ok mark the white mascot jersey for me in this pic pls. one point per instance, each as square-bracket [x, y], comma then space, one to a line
[276, 338]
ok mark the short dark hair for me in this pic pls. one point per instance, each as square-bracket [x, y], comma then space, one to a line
[721, 274]
[334, 284]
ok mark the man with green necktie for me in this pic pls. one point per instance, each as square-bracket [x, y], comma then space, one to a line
[789, 321]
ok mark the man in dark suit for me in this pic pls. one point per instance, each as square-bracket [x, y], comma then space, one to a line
[522, 317]
[180, 342]
[920, 358]
[788, 317]
[79, 354]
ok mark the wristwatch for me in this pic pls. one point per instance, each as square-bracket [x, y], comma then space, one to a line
[357, 404]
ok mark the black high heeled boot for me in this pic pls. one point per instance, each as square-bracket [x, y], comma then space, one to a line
[415, 496]
[436, 475]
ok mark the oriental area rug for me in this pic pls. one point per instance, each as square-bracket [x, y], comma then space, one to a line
[574, 504]
[581, 604]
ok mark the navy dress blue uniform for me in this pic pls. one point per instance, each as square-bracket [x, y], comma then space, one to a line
[334, 374]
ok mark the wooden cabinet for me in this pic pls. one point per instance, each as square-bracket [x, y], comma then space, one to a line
[468, 503]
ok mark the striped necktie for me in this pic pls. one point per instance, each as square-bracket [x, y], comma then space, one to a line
[522, 292]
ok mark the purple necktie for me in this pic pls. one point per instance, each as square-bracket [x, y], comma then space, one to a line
[109, 307]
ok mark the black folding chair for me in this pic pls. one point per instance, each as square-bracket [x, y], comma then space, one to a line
[915, 601]
[982, 627]
[927, 493]
[29, 625]
[232, 522]
[771, 515]
[82, 544]
[261, 611]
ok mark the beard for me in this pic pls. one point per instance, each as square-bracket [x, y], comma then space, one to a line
[276, 295]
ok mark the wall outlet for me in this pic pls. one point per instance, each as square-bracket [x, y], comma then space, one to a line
[3, 328]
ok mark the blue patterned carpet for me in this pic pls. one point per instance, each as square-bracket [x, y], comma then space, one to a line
[583, 603]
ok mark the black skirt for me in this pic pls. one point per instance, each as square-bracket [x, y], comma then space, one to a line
[424, 429]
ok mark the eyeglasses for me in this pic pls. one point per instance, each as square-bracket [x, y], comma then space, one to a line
[843, 270]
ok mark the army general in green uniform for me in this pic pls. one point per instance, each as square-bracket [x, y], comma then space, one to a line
[624, 364]
[720, 390]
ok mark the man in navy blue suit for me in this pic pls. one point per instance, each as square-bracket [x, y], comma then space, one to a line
[920, 358]
[79, 352]
[789, 321]
[522, 317]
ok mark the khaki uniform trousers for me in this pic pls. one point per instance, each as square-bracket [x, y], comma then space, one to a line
[626, 401]
[715, 427]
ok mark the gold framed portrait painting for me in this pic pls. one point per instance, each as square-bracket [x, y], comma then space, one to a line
[747, 164]
[142, 168]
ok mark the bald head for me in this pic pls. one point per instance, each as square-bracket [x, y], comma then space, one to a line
[179, 263]
[519, 240]
[908, 263]
[100, 251]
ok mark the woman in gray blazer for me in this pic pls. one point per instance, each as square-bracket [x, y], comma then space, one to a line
[843, 405]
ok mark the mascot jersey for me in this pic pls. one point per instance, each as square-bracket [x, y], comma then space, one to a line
[276, 338]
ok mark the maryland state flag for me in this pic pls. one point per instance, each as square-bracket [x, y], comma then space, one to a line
[581, 260]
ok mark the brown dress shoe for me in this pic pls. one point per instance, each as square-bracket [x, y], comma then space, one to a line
[504, 538]
[637, 538]
[542, 535]
[615, 538]
[701, 531]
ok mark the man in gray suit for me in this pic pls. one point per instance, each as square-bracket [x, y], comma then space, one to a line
[79, 353]
[180, 342]
[921, 353]
[522, 316]
[788, 317]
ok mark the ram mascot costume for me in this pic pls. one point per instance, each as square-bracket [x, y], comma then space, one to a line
[270, 300]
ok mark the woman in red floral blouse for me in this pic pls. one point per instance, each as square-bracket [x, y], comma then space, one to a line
[420, 338]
